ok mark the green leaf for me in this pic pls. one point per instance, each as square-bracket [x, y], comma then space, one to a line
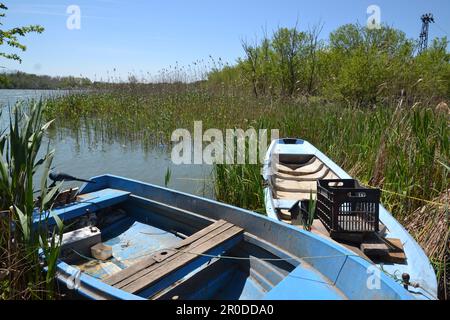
[50, 194]
[23, 223]
[58, 220]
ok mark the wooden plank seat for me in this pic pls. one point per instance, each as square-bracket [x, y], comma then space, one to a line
[164, 264]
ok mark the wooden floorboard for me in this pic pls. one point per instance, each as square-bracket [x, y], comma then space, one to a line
[181, 260]
[149, 261]
[144, 272]
[129, 271]
[201, 233]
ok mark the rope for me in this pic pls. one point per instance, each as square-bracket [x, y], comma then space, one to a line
[442, 29]
[225, 257]
[155, 233]
[263, 259]
[412, 284]
[406, 196]
[274, 259]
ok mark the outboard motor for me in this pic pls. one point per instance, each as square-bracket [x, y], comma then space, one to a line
[60, 176]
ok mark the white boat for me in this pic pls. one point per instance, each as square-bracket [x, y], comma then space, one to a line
[291, 170]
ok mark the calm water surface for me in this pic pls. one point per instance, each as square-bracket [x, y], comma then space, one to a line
[86, 158]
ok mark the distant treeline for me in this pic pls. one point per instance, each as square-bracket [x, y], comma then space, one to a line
[22, 80]
[355, 65]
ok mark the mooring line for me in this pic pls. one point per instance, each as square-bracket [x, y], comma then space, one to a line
[226, 257]
[263, 259]
[406, 196]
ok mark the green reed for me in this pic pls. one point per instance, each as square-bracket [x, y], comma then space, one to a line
[26, 248]
[396, 148]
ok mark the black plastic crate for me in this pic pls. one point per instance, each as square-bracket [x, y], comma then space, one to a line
[345, 208]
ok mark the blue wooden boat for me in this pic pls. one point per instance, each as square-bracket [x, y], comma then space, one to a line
[291, 170]
[127, 239]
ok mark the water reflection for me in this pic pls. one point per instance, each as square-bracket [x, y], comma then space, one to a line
[86, 153]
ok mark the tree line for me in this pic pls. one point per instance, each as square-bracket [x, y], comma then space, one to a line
[355, 65]
[22, 80]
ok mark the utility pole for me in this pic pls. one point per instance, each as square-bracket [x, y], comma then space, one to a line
[426, 20]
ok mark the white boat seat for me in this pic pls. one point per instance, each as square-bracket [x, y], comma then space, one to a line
[297, 186]
[324, 173]
[310, 167]
[297, 182]
[294, 186]
[283, 204]
[294, 195]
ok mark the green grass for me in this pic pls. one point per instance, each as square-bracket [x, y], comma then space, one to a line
[240, 185]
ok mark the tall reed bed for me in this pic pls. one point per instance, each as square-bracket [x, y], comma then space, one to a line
[398, 148]
[402, 149]
[26, 247]
[239, 185]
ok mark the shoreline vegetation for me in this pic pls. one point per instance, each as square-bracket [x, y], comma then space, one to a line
[22, 80]
[363, 97]
[27, 248]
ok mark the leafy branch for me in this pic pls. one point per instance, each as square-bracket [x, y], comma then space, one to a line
[11, 37]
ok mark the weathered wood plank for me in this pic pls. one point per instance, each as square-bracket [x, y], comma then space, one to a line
[395, 257]
[149, 261]
[181, 260]
[129, 271]
[200, 234]
[213, 232]
[395, 244]
[396, 253]
[374, 249]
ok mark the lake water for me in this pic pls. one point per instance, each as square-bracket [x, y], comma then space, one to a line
[85, 158]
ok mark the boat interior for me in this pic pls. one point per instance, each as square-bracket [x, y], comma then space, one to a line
[157, 251]
[293, 184]
[295, 178]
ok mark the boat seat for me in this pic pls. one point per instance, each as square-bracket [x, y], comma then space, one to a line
[298, 186]
[290, 195]
[92, 201]
[312, 166]
[165, 267]
[299, 181]
[324, 173]
[294, 186]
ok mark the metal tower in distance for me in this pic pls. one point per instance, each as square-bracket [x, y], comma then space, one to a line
[426, 20]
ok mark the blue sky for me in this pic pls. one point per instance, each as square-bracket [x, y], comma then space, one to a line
[144, 36]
